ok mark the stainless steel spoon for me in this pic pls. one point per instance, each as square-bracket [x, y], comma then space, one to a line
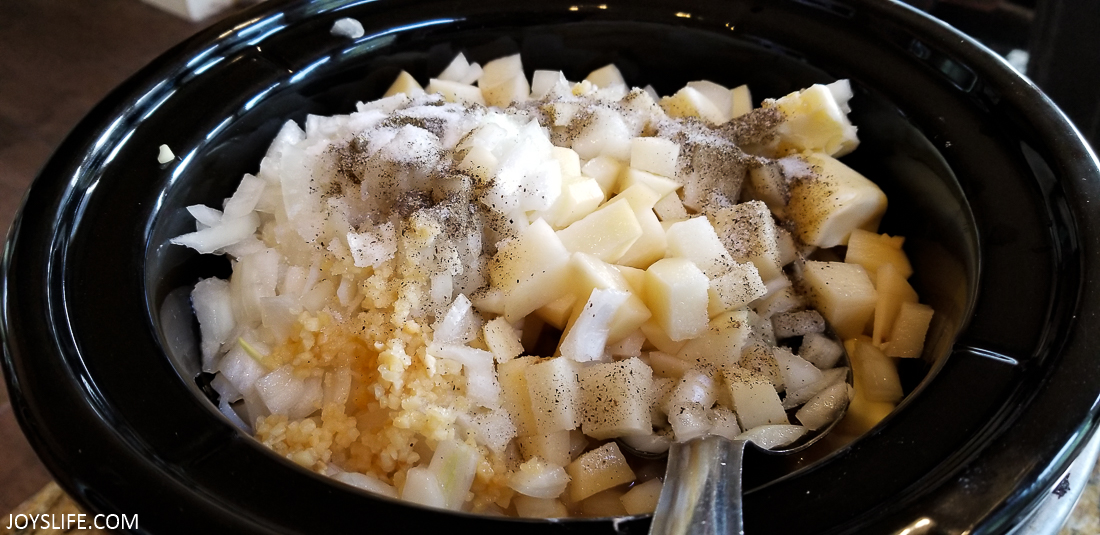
[701, 494]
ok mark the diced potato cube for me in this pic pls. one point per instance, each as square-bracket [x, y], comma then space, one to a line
[514, 89]
[816, 119]
[568, 160]
[502, 340]
[872, 250]
[661, 185]
[606, 76]
[557, 312]
[590, 273]
[759, 357]
[721, 343]
[717, 94]
[634, 277]
[642, 498]
[843, 293]
[456, 92]
[735, 288]
[457, 69]
[874, 375]
[530, 507]
[544, 82]
[788, 249]
[832, 202]
[750, 235]
[892, 290]
[554, 389]
[654, 155]
[658, 338]
[514, 393]
[670, 208]
[754, 399]
[740, 101]
[689, 102]
[604, 504]
[598, 470]
[605, 170]
[579, 197]
[531, 270]
[405, 83]
[552, 447]
[665, 365]
[769, 185]
[651, 246]
[640, 196]
[910, 329]
[676, 294]
[503, 72]
[604, 134]
[606, 233]
[696, 240]
[615, 399]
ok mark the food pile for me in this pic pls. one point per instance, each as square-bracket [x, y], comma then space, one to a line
[462, 294]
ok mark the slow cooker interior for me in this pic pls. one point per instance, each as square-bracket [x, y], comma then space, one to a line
[927, 204]
[941, 139]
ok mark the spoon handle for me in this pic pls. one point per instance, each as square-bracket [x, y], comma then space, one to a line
[702, 489]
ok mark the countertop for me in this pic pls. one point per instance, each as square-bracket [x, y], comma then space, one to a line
[59, 58]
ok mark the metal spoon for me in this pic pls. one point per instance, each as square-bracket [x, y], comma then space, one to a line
[701, 494]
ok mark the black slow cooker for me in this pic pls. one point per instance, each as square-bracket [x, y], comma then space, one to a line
[990, 183]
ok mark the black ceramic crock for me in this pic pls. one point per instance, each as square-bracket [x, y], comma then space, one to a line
[988, 180]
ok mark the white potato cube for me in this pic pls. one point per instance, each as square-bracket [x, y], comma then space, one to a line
[606, 76]
[676, 294]
[615, 399]
[531, 269]
[604, 134]
[554, 388]
[689, 102]
[754, 399]
[735, 288]
[405, 83]
[552, 447]
[717, 94]
[598, 470]
[642, 498]
[892, 290]
[607, 233]
[654, 155]
[910, 329]
[502, 340]
[456, 92]
[661, 185]
[740, 101]
[843, 293]
[832, 202]
[720, 345]
[515, 397]
[874, 375]
[605, 170]
[696, 240]
[872, 250]
[816, 119]
[750, 235]
[579, 197]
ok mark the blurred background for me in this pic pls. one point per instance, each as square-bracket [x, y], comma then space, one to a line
[59, 57]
